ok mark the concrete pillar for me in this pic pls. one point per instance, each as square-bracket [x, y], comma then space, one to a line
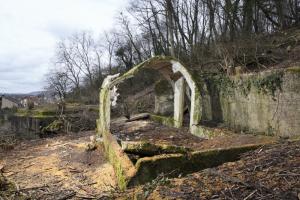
[103, 123]
[196, 109]
[179, 91]
[104, 111]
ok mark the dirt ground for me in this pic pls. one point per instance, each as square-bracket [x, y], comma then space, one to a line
[270, 172]
[62, 168]
[145, 130]
[58, 168]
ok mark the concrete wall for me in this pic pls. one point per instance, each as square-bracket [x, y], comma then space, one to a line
[247, 104]
[7, 103]
[164, 98]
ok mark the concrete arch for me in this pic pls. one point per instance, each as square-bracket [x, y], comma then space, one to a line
[173, 71]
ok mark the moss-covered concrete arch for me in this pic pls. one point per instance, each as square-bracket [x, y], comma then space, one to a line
[173, 71]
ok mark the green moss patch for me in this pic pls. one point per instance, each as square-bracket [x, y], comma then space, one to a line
[167, 121]
[163, 87]
[269, 84]
[8, 190]
[122, 165]
[206, 132]
[294, 70]
[150, 149]
[37, 113]
[54, 127]
[264, 83]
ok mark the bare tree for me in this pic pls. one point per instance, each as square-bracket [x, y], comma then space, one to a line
[169, 9]
[110, 44]
[66, 62]
[78, 57]
[59, 82]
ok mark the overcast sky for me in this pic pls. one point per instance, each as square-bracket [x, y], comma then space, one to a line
[29, 30]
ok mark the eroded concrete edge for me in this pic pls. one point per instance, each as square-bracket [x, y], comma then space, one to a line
[123, 167]
[172, 165]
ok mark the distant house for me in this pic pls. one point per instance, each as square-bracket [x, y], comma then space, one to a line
[26, 100]
[8, 102]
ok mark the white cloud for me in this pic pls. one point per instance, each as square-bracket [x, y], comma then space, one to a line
[31, 28]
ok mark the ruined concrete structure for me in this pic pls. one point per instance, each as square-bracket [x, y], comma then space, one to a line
[175, 73]
[263, 103]
[127, 173]
[266, 103]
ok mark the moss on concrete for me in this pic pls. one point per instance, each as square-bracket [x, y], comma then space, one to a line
[205, 132]
[123, 167]
[102, 125]
[172, 165]
[149, 168]
[268, 84]
[137, 68]
[54, 127]
[293, 70]
[150, 149]
[162, 87]
[167, 121]
[197, 109]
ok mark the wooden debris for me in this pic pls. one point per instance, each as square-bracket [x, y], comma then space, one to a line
[141, 116]
[33, 188]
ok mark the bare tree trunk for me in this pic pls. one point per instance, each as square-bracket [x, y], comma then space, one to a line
[170, 27]
[247, 17]
[282, 11]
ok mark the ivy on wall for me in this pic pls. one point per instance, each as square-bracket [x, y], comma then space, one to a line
[267, 85]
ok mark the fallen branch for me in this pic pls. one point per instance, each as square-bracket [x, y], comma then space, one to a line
[33, 188]
[250, 195]
[139, 117]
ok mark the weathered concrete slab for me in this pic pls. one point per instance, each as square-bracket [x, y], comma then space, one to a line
[124, 168]
[172, 165]
[151, 149]
[167, 121]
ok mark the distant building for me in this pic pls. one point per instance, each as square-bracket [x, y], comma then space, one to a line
[8, 102]
[30, 99]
